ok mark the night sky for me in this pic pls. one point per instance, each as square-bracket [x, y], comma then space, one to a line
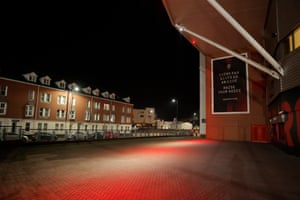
[126, 47]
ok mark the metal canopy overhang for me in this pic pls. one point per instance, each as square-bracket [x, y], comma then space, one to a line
[201, 20]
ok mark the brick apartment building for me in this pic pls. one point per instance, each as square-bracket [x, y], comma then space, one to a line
[33, 103]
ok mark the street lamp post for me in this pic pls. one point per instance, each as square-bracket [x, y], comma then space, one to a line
[176, 101]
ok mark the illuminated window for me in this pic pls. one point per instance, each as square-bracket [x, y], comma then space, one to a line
[106, 106]
[112, 118]
[288, 44]
[297, 38]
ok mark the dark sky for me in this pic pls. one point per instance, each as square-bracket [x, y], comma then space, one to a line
[126, 47]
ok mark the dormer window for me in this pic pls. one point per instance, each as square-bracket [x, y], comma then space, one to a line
[96, 92]
[87, 90]
[61, 84]
[30, 77]
[45, 80]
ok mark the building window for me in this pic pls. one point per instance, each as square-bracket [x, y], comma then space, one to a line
[62, 84]
[60, 114]
[73, 103]
[44, 112]
[106, 106]
[45, 97]
[123, 109]
[56, 126]
[3, 108]
[113, 108]
[96, 117]
[97, 105]
[88, 104]
[3, 90]
[27, 126]
[62, 126]
[87, 115]
[31, 94]
[128, 110]
[61, 100]
[32, 78]
[46, 81]
[105, 118]
[128, 120]
[40, 125]
[288, 44]
[122, 119]
[112, 118]
[29, 111]
[72, 114]
[45, 126]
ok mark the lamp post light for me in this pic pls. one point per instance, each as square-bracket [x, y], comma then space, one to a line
[71, 106]
[176, 119]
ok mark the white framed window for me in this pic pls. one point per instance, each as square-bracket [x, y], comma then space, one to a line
[72, 114]
[46, 97]
[87, 115]
[106, 106]
[3, 90]
[123, 109]
[88, 104]
[62, 126]
[45, 126]
[61, 100]
[97, 105]
[112, 118]
[96, 117]
[44, 112]
[29, 111]
[60, 114]
[105, 118]
[128, 119]
[31, 95]
[128, 110]
[113, 108]
[40, 126]
[73, 103]
[3, 108]
[122, 119]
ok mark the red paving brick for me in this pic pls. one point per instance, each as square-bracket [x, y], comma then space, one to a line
[154, 169]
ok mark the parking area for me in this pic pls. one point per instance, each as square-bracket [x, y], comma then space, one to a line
[149, 168]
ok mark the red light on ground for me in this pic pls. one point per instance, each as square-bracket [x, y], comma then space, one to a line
[193, 42]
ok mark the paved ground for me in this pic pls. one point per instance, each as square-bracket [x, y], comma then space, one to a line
[154, 169]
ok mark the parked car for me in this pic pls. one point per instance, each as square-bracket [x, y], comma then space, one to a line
[40, 137]
[78, 136]
[99, 135]
[10, 137]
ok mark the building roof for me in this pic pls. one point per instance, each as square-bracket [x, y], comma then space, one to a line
[202, 18]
